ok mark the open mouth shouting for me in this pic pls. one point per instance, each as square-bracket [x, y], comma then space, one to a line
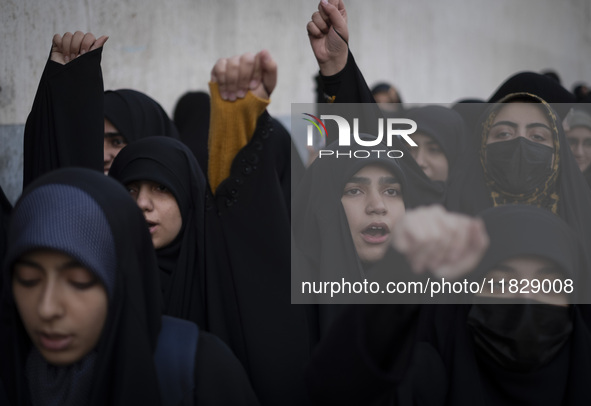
[376, 233]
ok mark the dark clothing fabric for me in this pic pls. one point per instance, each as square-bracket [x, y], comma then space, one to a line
[540, 85]
[5, 209]
[136, 115]
[445, 126]
[248, 251]
[349, 86]
[191, 117]
[182, 263]
[422, 354]
[65, 126]
[123, 371]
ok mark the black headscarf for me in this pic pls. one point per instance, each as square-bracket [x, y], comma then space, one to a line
[404, 354]
[93, 219]
[137, 115]
[542, 86]
[170, 163]
[445, 126]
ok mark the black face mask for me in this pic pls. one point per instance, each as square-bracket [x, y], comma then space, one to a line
[519, 337]
[520, 165]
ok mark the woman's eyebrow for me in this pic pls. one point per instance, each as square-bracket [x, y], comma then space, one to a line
[358, 179]
[507, 123]
[514, 125]
[70, 265]
[387, 180]
[27, 262]
[534, 125]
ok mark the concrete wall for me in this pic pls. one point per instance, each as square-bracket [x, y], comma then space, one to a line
[433, 50]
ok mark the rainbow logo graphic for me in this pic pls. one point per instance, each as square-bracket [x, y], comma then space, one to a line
[320, 126]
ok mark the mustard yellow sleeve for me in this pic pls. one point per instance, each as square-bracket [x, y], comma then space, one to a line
[231, 127]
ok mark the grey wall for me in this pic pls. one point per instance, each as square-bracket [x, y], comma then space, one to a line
[433, 50]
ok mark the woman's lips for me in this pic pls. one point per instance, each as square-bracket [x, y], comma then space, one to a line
[152, 226]
[376, 233]
[55, 342]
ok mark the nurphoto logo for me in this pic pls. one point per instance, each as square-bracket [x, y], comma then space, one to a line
[392, 129]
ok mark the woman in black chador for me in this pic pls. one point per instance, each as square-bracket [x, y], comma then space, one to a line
[81, 307]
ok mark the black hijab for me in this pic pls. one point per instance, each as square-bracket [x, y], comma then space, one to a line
[542, 86]
[91, 218]
[445, 126]
[137, 115]
[170, 163]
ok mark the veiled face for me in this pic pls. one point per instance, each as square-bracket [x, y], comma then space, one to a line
[579, 139]
[534, 275]
[62, 305]
[521, 120]
[372, 200]
[160, 209]
[113, 143]
[430, 157]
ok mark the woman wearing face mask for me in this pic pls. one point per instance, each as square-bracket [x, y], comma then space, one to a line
[82, 308]
[532, 349]
[523, 158]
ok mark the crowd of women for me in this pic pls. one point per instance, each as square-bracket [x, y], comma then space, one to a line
[169, 280]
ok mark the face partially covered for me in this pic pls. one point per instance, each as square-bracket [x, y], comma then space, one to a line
[521, 120]
[533, 269]
[373, 201]
[113, 143]
[62, 305]
[160, 209]
[430, 157]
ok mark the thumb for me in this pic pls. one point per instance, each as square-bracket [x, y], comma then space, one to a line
[269, 71]
[99, 42]
[336, 19]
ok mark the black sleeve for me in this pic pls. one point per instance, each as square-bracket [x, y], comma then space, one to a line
[66, 125]
[347, 86]
[220, 379]
[364, 356]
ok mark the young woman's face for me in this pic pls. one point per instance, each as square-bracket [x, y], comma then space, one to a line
[114, 142]
[521, 120]
[160, 209]
[372, 200]
[63, 305]
[535, 270]
[579, 139]
[430, 157]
